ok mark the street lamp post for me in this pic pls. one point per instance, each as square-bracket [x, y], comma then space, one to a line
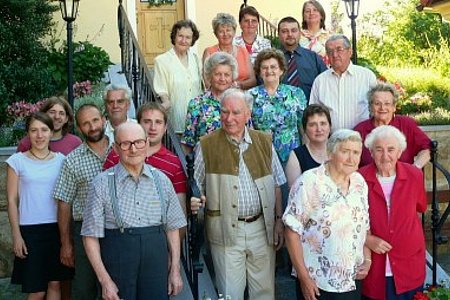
[352, 9]
[69, 9]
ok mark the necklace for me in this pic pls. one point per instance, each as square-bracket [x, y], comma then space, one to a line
[40, 158]
[229, 52]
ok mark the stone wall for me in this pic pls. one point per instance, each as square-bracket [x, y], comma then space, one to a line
[438, 133]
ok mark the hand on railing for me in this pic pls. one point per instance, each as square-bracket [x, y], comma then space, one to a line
[197, 204]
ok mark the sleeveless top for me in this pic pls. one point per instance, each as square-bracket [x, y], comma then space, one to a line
[305, 159]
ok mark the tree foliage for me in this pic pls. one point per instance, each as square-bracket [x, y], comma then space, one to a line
[401, 36]
[23, 58]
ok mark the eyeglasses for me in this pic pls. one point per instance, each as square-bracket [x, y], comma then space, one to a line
[138, 144]
[118, 101]
[381, 104]
[338, 50]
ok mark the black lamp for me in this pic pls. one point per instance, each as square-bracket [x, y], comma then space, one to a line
[352, 9]
[69, 10]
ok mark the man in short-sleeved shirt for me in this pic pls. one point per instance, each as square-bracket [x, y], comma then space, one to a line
[343, 88]
[131, 210]
[79, 168]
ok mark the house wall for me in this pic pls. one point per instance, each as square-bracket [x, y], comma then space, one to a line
[97, 23]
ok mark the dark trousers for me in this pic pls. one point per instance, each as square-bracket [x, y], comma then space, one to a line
[137, 262]
[353, 295]
[84, 283]
[391, 294]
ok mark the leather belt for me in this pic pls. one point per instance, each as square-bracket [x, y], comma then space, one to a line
[250, 219]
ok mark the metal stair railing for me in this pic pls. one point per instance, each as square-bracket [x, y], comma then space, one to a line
[437, 220]
[138, 78]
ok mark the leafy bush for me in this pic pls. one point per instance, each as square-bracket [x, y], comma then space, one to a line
[89, 63]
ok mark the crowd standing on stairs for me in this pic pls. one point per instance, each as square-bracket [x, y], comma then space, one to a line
[276, 159]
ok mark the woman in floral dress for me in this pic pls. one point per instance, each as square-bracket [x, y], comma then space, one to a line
[203, 112]
[327, 222]
[277, 108]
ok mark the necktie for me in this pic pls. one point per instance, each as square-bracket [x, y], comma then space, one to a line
[293, 78]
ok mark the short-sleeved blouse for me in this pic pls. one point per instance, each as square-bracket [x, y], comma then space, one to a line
[258, 45]
[315, 42]
[332, 227]
[281, 115]
[178, 82]
[203, 117]
[37, 179]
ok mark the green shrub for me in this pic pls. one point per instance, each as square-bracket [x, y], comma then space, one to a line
[439, 116]
[89, 63]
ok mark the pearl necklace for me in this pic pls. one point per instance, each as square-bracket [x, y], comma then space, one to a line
[40, 158]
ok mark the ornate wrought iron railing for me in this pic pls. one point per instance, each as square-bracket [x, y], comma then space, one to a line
[139, 79]
[437, 219]
[266, 28]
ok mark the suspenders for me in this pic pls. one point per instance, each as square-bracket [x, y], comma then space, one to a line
[115, 203]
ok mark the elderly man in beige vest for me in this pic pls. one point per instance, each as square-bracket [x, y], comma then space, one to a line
[239, 174]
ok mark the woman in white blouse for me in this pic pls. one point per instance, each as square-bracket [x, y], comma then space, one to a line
[178, 73]
[327, 221]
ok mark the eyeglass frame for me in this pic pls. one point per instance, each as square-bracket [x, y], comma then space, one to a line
[131, 143]
[339, 50]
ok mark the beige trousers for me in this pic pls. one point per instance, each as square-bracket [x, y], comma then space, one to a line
[251, 261]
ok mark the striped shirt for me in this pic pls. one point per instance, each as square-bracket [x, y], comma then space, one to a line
[78, 170]
[139, 204]
[344, 95]
[165, 161]
[248, 202]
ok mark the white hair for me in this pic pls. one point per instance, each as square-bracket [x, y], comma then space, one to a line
[117, 87]
[238, 93]
[382, 132]
[341, 136]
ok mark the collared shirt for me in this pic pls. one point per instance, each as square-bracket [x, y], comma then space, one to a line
[248, 202]
[138, 202]
[280, 115]
[309, 66]
[332, 227]
[78, 170]
[109, 129]
[203, 117]
[164, 160]
[344, 95]
[259, 44]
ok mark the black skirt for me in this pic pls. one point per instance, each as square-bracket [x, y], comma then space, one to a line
[42, 264]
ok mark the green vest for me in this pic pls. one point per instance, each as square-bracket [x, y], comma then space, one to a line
[221, 159]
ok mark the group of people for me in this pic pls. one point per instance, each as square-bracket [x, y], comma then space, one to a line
[312, 158]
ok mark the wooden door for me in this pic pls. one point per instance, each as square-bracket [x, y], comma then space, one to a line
[154, 24]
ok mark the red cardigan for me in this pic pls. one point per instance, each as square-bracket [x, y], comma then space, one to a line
[403, 231]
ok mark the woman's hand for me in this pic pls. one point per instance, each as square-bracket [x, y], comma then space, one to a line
[309, 288]
[378, 245]
[363, 269]
[278, 233]
[20, 249]
[197, 203]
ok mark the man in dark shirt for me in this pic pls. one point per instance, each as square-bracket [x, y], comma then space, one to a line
[308, 63]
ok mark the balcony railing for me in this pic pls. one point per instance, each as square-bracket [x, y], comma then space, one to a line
[138, 78]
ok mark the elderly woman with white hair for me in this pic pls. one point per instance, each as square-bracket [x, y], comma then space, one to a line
[203, 112]
[327, 221]
[396, 196]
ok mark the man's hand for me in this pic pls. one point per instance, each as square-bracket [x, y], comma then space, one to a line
[67, 256]
[110, 290]
[175, 283]
[363, 269]
[278, 234]
[378, 245]
[197, 203]
[309, 288]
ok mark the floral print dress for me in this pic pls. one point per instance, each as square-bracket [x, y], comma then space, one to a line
[332, 227]
[281, 115]
[203, 117]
